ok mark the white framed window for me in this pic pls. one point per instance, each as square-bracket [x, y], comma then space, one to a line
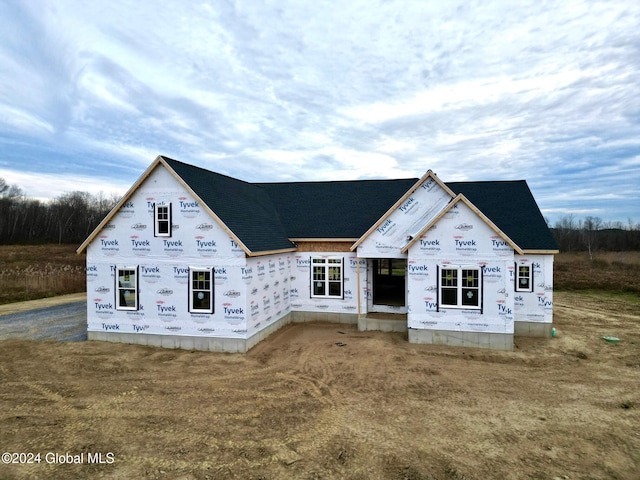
[327, 277]
[126, 288]
[201, 282]
[460, 287]
[524, 278]
[162, 220]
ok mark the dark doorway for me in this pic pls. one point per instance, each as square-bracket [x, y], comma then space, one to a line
[389, 281]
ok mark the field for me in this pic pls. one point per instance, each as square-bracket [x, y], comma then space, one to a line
[611, 271]
[322, 401]
[28, 272]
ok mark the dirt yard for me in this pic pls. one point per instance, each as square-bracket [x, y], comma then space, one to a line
[320, 401]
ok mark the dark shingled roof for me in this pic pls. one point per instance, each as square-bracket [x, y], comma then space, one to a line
[512, 208]
[344, 209]
[265, 215]
[245, 208]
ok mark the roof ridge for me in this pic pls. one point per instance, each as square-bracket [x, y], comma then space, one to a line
[211, 172]
[306, 182]
[487, 181]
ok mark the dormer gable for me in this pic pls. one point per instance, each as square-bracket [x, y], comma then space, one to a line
[462, 215]
[405, 219]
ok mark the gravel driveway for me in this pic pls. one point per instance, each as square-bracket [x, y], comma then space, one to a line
[63, 323]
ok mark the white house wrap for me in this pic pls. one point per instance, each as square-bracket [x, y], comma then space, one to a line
[193, 259]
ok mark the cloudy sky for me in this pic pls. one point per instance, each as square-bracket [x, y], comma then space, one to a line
[289, 90]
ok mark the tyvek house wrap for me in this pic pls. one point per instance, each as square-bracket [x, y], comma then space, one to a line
[416, 211]
[301, 299]
[267, 284]
[537, 305]
[461, 238]
[162, 265]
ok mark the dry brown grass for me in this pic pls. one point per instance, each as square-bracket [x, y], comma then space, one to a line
[29, 272]
[607, 271]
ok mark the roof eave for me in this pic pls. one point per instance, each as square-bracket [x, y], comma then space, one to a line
[121, 202]
[401, 200]
[461, 198]
[272, 252]
[160, 160]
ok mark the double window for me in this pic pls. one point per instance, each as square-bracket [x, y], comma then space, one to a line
[162, 220]
[460, 287]
[524, 278]
[327, 277]
[127, 288]
[201, 282]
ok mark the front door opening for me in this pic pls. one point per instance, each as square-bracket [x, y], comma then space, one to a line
[389, 281]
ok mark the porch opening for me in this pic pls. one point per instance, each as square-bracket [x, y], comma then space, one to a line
[389, 287]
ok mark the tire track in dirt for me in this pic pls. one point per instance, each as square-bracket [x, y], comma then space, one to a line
[57, 409]
[78, 420]
[309, 376]
[316, 370]
[311, 360]
[593, 316]
[315, 374]
[261, 451]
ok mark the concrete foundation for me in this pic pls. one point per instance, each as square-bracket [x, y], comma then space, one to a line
[211, 344]
[492, 341]
[532, 329]
[231, 345]
[382, 323]
[344, 318]
[214, 344]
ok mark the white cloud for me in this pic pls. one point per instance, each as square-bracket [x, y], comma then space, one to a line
[329, 90]
[48, 186]
[20, 120]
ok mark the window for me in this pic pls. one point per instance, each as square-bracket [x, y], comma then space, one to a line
[524, 278]
[162, 224]
[201, 290]
[460, 287]
[326, 277]
[127, 288]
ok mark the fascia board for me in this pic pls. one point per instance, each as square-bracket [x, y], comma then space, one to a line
[272, 252]
[401, 201]
[461, 198]
[160, 161]
[121, 202]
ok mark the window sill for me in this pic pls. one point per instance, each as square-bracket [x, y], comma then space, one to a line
[458, 307]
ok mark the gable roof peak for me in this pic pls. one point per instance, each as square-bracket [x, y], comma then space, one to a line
[458, 199]
[401, 200]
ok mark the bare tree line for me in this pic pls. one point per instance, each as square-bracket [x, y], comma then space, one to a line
[68, 218]
[592, 234]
